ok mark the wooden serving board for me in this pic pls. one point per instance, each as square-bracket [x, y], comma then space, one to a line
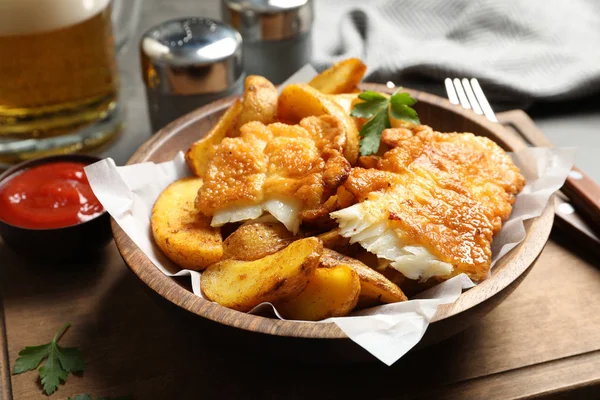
[542, 342]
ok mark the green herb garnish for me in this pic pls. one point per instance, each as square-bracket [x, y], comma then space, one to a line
[378, 108]
[60, 361]
[87, 396]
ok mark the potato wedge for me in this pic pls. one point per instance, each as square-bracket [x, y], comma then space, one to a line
[242, 285]
[333, 240]
[200, 152]
[409, 286]
[374, 287]
[180, 231]
[255, 240]
[331, 292]
[345, 100]
[342, 77]
[300, 101]
[259, 102]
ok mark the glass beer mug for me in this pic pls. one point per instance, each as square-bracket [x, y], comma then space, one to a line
[58, 75]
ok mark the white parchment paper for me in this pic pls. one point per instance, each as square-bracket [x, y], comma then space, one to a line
[389, 331]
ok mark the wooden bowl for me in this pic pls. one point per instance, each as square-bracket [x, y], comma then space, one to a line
[449, 319]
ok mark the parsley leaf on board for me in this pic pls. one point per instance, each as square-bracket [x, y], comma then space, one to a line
[378, 108]
[59, 361]
[82, 396]
[30, 358]
[87, 396]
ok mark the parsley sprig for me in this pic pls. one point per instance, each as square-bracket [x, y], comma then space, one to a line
[60, 361]
[378, 109]
[87, 396]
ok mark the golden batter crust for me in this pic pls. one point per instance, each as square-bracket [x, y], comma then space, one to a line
[447, 192]
[303, 162]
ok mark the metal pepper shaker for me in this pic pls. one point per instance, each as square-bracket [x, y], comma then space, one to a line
[187, 63]
[276, 34]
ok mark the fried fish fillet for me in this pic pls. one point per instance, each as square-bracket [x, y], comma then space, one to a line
[287, 170]
[432, 203]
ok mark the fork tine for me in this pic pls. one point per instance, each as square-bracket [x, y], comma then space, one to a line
[471, 96]
[487, 110]
[464, 102]
[451, 92]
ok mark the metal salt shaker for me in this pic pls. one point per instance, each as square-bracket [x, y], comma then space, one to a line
[276, 33]
[188, 63]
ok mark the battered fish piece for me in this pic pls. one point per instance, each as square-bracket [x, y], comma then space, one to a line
[290, 171]
[433, 203]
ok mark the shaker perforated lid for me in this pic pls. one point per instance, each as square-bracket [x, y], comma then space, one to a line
[191, 56]
[260, 20]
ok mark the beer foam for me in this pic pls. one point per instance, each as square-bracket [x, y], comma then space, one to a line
[21, 17]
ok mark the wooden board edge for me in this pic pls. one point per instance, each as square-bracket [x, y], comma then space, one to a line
[577, 376]
[5, 380]
[525, 127]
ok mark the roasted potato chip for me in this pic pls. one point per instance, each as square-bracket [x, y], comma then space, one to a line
[242, 285]
[299, 101]
[200, 152]
[374, 287]
[183, 234]
[365, 257]
[409, 286]
[259, 102]
[255, 240]
[331, 292]
[345, 100]
[342, 77]
[333, 240]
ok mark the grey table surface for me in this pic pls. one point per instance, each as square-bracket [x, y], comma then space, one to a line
[572, 124]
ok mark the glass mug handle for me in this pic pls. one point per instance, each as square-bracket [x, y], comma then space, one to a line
[125, 18]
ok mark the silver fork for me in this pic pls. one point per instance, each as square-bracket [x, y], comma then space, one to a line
[469, 95]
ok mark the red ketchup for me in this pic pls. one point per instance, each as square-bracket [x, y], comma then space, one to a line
[51, 195]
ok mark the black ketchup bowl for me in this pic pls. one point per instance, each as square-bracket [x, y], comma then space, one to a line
[56, 244]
